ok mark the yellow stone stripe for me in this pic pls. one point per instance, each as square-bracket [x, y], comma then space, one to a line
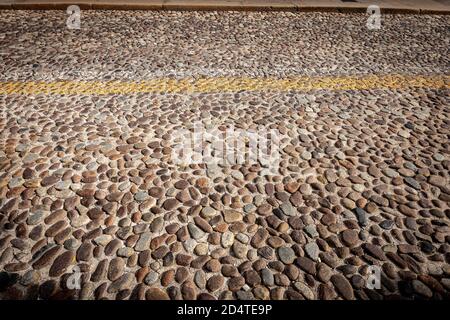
[225, 84]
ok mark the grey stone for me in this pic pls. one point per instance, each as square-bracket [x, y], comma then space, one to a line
[412, 183]
[195, 231]
[361, 216]
[312, 250]
[286, 255]
[311, 231]
[267, 277]
[141, 196]
[144, 242]
[151, 278]
[36, 218]
[387, 224]
[288, 209]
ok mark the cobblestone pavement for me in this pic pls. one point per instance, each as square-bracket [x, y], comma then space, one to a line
[94, 206]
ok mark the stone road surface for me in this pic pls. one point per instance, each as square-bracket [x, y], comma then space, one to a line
[386, 6]
[90, 191]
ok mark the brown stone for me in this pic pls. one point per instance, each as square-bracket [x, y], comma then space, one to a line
[215, 283]
[156, 294]
[350, 237]
[61, 263]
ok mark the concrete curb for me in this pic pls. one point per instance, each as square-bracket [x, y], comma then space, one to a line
[207, 7]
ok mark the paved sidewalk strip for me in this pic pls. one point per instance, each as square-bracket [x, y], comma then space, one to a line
[398, 6]
[222, 84]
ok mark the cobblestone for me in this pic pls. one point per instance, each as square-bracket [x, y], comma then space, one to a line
[88, 178]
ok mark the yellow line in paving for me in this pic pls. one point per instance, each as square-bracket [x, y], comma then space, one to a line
[225, 84]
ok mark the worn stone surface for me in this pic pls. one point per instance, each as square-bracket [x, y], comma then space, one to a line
[90, 183]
